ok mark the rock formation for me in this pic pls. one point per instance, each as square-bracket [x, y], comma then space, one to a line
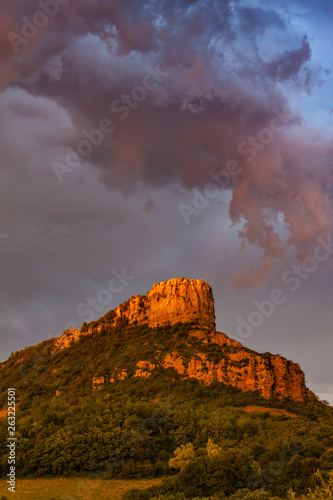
[191, 301]
[271, 376]
[176, 300]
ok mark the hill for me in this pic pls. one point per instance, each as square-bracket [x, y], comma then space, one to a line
[152, 389]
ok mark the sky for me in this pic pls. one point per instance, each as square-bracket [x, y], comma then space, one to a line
[147, 140]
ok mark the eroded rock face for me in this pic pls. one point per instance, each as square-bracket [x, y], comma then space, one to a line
[176, 300]
[144, 369]
[271, 376]
[182, 300]
[169, 302]
[65, 340]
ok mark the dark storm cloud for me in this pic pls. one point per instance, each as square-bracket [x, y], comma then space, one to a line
[219, 92]
[255, 20]
[289, 64]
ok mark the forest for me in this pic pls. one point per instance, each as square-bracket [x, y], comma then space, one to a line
[201, 439]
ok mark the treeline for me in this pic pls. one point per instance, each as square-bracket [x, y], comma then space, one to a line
[200, 437]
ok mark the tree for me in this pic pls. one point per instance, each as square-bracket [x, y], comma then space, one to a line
[182, 456]
[212, 449]
[323, 490]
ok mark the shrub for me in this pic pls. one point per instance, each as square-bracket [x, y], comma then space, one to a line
[182, 456]
[246, 494]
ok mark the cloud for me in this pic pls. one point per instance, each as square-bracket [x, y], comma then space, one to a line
[289, 185]
[221, 90]
[290, 63]
[256, 20]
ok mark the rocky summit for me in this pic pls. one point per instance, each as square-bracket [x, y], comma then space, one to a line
[176, 300]
[185, 301]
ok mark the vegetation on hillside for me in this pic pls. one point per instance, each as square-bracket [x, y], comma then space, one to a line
[198, 437]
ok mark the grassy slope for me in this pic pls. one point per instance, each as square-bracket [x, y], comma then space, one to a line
[89, 489]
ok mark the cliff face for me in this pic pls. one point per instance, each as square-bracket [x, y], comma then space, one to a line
[271, 376]
[176, 300]
[274, 376]
[191, 301]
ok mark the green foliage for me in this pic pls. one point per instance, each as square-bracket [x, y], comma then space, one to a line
[199, 436]
[182, 456]
[323, 489]
[246, 494]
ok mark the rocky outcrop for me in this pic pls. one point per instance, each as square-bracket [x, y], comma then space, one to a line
[191, 301]
[222, 339]
[176, 300]
[65, 340]
[271, 375]
[98, 382]
[144, 369]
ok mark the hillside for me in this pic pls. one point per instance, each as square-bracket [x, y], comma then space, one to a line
[205, 354]
[119, 397]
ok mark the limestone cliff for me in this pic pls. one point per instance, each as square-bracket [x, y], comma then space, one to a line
[176, 300]
[271, 376]
[191, 301]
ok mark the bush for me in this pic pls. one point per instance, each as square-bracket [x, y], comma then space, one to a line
[227, 472]
[182, 456]
[324, 488]
[193, 475]
[246, 494]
